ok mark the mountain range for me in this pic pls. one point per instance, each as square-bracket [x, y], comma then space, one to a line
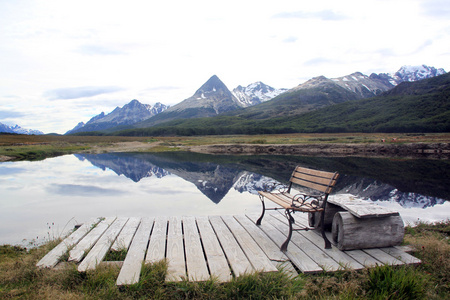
[129, 114]
[257, 101]
[18, 130]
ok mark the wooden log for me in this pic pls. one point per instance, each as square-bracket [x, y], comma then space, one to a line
[330, 211]
[350, 232]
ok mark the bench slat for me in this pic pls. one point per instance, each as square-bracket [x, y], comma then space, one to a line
[312, 185]
[318, 173]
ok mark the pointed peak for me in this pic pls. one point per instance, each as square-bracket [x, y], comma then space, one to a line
[213, 84]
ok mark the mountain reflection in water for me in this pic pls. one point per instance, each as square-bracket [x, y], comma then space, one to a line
[410, 183]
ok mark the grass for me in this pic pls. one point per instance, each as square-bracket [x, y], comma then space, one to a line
[22, 147]
[20, 279]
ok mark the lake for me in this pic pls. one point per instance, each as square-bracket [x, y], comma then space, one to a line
[44, 199]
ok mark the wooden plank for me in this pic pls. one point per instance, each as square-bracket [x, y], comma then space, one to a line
[361, 208]
[363, 258]
[123, 241]
[340, 257]
[313, 251]
[131, 269]
[309, 184]
[195, 260]
[299, 258]
[176, 269]
[401, 255]
[77, 253]
[383, 257]
[52, 258]
[286, 267]
[254, 253]
[157, 246]
[236, 257]
[101, 248]
[315, 172]
[217, 262]
[269, 247]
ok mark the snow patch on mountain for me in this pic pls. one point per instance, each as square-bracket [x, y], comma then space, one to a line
[255, 93]
[18, 130]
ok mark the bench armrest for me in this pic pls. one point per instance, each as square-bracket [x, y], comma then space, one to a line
[305, 200]
[274, 185]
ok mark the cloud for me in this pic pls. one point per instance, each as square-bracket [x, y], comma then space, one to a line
[79, 92]
[82, 190]
[8, 114]
[92, 49]
[163, 88]
[318, 61]
[324, 15]
[291, 39]
[436, 8]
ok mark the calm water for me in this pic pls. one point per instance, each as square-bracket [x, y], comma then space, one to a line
[41, 200]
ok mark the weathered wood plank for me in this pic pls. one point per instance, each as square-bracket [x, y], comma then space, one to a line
[313, 251]
[299, 258]
[77, 253]
[157, 246]
[176, 269]
[363, 258]
[52, 258]
[123, 241]
[131, 269]
[340, 257]
[236, 257]
[217, 262]
[268, 246]
[383, 257]
[101, 248]
[401, 255]
[286, 267]
[254, 253]
[361, 208]
[195, 260]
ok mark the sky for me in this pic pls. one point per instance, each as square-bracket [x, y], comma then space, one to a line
[63, 62]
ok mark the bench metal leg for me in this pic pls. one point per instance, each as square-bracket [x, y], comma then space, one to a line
[290, 221]
[263, 210]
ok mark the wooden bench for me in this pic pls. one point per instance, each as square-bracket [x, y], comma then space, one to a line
[319, 182]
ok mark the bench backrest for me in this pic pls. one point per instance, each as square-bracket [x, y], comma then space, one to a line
[318, 180]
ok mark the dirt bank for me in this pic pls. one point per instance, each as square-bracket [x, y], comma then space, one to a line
[416, 150]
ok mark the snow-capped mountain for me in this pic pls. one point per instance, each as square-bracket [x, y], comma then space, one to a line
[255, 93]
[19, 130]
[415, 73]
[129, 114]
[368, 86]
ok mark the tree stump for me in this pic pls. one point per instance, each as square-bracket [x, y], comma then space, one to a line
[350, 232]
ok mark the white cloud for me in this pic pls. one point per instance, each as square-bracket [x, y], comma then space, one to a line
[164, 51]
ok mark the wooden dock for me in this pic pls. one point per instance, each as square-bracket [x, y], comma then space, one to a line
[197, 248]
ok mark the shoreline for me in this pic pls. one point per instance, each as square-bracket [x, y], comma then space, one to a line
[412, 150]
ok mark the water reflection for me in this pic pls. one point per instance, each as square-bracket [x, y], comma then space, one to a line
[70, 189]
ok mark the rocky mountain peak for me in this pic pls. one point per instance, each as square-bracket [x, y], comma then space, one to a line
[255, 93]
